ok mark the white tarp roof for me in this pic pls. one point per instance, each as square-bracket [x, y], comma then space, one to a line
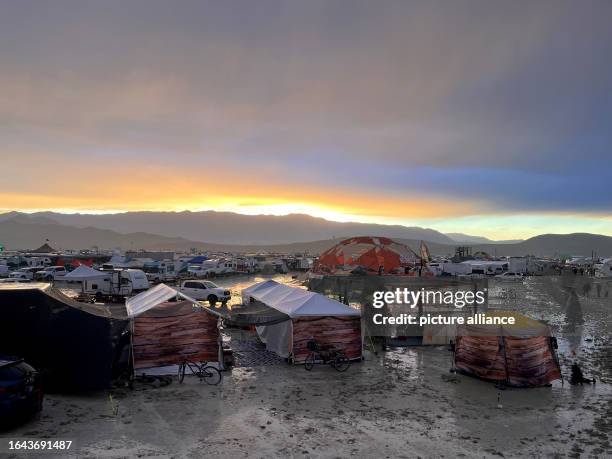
[83, 273]
[154, 297]
[259, 286]
[297, 302]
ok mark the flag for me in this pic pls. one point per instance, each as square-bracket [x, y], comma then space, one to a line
[425, 255]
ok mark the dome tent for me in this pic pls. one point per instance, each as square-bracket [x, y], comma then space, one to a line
[368, 253]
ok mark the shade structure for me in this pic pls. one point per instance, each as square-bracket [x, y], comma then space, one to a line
[167, 333]
[301, 316]
[296, 302]
[83, 273]
[155, 296]
[519, 355]
[369, 253]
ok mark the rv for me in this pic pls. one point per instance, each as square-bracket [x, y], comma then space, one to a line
[160, 271]
[117, 283]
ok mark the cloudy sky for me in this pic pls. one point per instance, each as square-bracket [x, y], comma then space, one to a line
[484, 117]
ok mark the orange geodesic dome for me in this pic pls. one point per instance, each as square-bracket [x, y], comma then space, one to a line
[368, 253]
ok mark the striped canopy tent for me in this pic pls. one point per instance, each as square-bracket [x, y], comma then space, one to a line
[369, 253]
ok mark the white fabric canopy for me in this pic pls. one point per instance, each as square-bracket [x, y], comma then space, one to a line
[297, 302]
[83, 273]
[155, 296]
[260, 286]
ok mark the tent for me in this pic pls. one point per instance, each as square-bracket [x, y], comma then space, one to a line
[45, 248]
[519, 355]
[165, 333]
[367, 253]
[300, 316]
[85, 273]
[77, 345]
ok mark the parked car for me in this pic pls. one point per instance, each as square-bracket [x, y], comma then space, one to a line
[24, 273]
[50, 273]
[21, 391]
[204, 291]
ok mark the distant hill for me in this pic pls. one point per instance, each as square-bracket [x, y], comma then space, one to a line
[22, 233]
[469, 239]
[231, 228]
[15, 235]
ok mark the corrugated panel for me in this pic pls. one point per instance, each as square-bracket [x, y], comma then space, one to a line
[344, 334]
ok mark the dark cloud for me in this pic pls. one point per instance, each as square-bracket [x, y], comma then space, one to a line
[507, 102]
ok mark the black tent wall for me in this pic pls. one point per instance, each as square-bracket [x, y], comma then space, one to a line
[76, 347]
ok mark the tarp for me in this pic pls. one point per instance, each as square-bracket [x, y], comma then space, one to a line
[278, 337]
[83, 273]
[260, 286]
[170, 333]
[519, 355]
[161, 293]
[523, 327]
[296, 302]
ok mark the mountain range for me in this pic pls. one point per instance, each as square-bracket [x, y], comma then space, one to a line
[224, 231]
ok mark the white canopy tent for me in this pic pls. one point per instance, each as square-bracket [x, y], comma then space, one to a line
[151, 298]
[84, 273]
[260, 286]
[295, 303]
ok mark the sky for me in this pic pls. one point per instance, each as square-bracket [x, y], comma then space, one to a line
[484, 117]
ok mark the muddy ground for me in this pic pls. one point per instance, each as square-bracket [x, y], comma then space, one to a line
[403, 403]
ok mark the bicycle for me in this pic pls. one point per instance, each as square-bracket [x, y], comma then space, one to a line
[337, 360]
[211, 375]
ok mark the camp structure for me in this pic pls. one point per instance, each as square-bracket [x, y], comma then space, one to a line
[368, 254]
[519, 355]
[166, 333]
[89, 278]
[76, 345]
[45, 248]
[287, 317]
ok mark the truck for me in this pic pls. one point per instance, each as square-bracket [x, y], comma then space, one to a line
[202, 290]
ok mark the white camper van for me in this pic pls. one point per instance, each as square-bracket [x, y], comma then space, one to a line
[117, 283]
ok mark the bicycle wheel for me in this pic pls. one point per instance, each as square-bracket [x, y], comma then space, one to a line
[341, 362]
[181, 372]
[211, 375]
[309, 362]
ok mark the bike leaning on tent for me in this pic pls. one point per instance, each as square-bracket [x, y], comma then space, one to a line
[211, 375]
[329, 355]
